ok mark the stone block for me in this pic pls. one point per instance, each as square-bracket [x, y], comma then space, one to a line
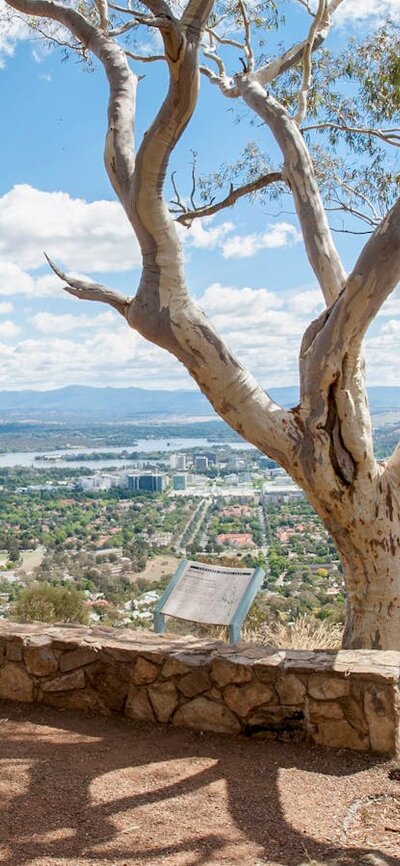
[174, 667]
[65, 683]
[111, 681]
[15, 683]
[380, 711]
[339, 734]
[354, 713]
[144, 672]
[224, 672]
[41, 660]
[86, 701]
[78, 658]
[194, 683]
[320, 710]
[214, 694]
[291, 690]
[204, 715]
[138, 705]
[14, 652]
[164, 700]
[327, 688]
[243, 699]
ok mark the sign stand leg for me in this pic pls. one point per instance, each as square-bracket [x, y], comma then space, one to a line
[159, 623]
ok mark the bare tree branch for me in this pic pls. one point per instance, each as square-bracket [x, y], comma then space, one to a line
[247, 36]
[224, 83]
[102, 8]
[388, 136]
[222, 40]
[308, 48]
[88, 291]
[272, 70]
[139, 58]
[187, 217]
[299, 174]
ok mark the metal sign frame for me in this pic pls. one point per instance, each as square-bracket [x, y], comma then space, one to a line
[236, 620]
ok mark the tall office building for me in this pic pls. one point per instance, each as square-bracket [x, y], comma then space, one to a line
[147, 483]
[179, 482]
[201, 463]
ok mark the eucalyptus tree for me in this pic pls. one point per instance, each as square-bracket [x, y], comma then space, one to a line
[325, 442]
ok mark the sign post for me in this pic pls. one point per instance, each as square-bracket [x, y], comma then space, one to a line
[209, 594]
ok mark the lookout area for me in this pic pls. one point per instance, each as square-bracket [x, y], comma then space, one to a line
[85, 791]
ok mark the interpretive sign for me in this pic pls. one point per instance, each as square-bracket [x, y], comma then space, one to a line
[209, 594]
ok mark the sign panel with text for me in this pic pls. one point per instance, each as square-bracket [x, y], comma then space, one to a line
[209, 594]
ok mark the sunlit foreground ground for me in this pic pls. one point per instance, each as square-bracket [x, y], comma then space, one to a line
[78, 791]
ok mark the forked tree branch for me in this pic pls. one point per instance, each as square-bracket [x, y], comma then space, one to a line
[187, 217]
[162, 310]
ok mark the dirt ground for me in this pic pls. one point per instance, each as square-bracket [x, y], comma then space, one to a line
[82, 791]
[157, 568]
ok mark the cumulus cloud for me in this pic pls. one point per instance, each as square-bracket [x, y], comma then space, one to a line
[244, 246]
[85, 236]
[12, 30]
[204, 236]
[113, 356]
[6, 307]
[51, 323]
[359, 10]
[8, 330]
[308, 302]
[229, 299]
[260, 327]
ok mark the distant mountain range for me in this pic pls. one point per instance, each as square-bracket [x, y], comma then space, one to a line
[77, 402]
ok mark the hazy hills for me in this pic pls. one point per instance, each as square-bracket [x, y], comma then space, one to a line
[83, 403]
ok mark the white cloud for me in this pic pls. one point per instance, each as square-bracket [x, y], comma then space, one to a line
[359, 10]
[14, 281]
[50, 323]
[308, 302]
[85, 236]
[260, 327]
[112, 356]
[8, 330]
[6, 307]
[244, 246]
[201, 236]
[228, 299]
[391, 307]
[12, 30]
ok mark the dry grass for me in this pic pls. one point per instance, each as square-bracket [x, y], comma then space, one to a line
[306, 633]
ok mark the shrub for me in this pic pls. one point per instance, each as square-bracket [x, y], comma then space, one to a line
[48, 603]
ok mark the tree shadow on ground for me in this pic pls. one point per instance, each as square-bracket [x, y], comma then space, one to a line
[76, 790]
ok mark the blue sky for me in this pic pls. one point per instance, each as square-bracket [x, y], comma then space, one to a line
[246, 267]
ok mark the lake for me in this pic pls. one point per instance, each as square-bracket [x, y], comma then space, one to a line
[145, 446]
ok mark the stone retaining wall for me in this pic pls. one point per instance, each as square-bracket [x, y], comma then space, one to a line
[345, 699]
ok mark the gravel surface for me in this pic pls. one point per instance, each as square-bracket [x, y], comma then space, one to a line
[79, 791]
